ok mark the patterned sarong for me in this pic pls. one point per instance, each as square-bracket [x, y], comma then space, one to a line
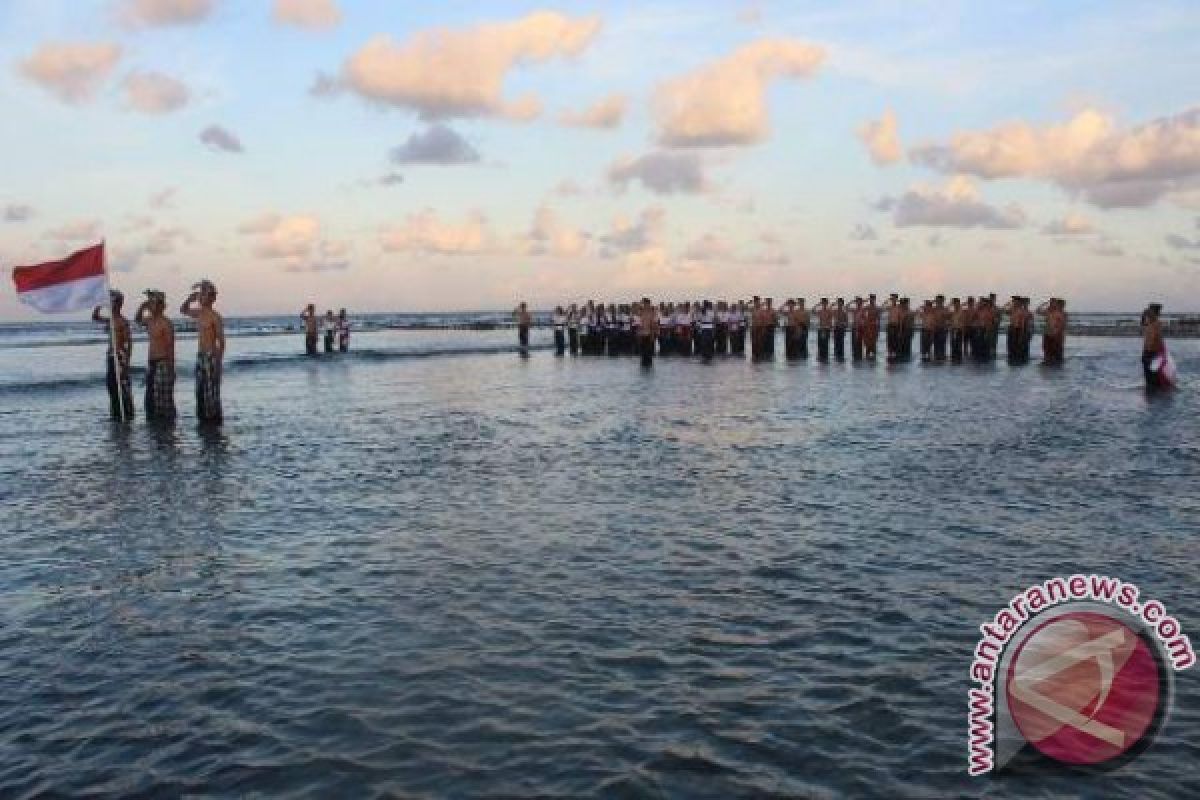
[208, 388]
[160, 390]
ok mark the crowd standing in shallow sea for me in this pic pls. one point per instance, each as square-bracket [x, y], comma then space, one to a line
[953, 332]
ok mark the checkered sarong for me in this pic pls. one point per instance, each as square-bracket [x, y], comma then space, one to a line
[208, 388]
[160, 390]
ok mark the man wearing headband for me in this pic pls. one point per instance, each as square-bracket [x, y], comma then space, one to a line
[210, 350]
[120, 387]
[1154, 358]
[160, 356]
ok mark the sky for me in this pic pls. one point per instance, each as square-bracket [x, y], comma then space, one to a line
[387, 156]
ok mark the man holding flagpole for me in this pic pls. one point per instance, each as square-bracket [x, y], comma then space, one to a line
[76, 283]
[210, 350]
[120, 351]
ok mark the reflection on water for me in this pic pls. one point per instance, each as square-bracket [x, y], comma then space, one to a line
[489, 575]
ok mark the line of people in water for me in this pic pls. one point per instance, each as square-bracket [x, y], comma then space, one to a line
[335, 329]
[151, 316]
[954, 331]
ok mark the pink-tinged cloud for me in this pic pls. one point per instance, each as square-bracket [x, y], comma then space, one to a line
[153, 13]
[1088, 156]
[428, 234]
[155, 93]
[550, 236]
[71, 71]
[882, 139]
[954, 205]
[315, 15]
[724, 103]
[1073, 224]
[606, 113]
[661, 173]
[279, 236]
[445, 73]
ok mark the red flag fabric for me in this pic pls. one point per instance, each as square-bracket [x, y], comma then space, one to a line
[75, 283]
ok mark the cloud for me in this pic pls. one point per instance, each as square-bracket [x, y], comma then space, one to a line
[329, 257]
[425, 233]
[163, 199]
[217, 138]
[1072, 224]
[390, 179]
[445, 73]
[155, 93]
[296, 241]
[18, 212]
[863, 232]
[954, 205]
[72, 72]
[709, 247]
[568, 188]
[627, 237]
[661, 173]
[550, 236]
[607, 113]
[312, 14]
[724, 103]
[1088, 156]
[1108, 249]
[882, 139]
[162, 241]
[166, 12]
[437, 145]
[77, 231]
[325, 85]
[1182, 242]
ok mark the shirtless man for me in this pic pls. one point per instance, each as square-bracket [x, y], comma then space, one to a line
[210, 350]
[892, 306]
[770, 323]
[524, 321]
[840, 322]
[573, 329]
[824, 326]
[647, 330]
[926, 319]
[981, 346]
[957, 323]
[858, 318]
[801, 321]
[907, 322]
[969, 336]
[160, 356]
[309, 315]
[120, 389]
[1153, 348]
[870, 334]
[1054, 334]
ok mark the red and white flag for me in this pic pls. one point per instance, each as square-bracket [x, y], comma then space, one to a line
[76, 283]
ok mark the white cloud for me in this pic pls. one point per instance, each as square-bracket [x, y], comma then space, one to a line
[155, 93]
[166, 12]
[724, 103]
[956, 204]
[437, 145]
[164, 198]
[162, 241]
[217, 138]
[626, 237]
[1073, 224]
[882, 139]
[278, 236]
[72, 72]
[77, 231]
[1088, 155]
[425, 232]
[446, 73]
[607, 113]
[312, 14]
[863, 232]
[661, 172]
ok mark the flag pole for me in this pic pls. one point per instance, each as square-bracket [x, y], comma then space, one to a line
[112, 334]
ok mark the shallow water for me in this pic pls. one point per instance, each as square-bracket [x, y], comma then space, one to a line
[485, 575]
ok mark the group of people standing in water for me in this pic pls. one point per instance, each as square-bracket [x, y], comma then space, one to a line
[954, 331]
[152, 317]
[336, 330]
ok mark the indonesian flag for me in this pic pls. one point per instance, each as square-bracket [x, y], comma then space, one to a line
[77, 282]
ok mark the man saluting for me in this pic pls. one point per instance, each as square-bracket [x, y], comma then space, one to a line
[160, 356]
[120, 388]
[210, 349]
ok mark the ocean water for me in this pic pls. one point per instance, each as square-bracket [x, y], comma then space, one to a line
[436, 568]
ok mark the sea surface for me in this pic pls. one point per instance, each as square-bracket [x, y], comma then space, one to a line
[435, 568]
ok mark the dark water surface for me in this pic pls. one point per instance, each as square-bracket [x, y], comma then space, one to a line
[481, 575]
